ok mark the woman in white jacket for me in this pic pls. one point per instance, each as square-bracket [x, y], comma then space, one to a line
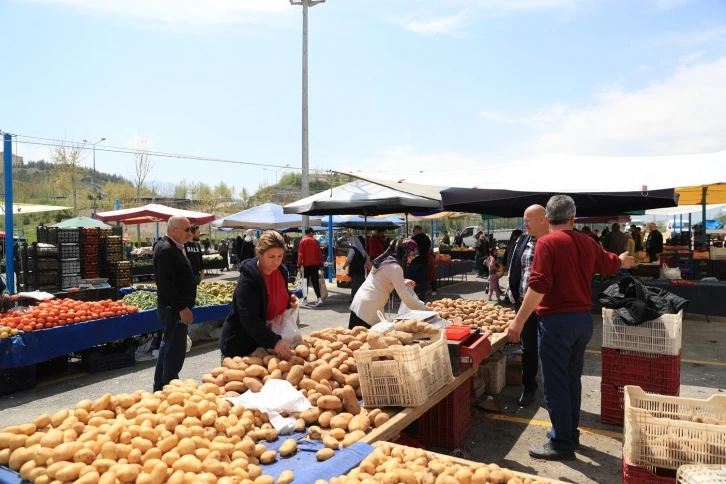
[386, 275]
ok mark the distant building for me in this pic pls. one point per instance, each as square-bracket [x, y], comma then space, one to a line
[17, 160]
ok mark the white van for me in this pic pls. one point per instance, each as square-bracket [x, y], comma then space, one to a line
[676, 227]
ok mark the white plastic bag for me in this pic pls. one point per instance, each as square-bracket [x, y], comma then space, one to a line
[286, 326]
[276, 396]
[402, 309]
[189, 344]
[669, 272]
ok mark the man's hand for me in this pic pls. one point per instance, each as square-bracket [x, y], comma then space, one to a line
[627, 260]
[294, 302]
[283, 350]
[201, 276]
[410, 283]
[186, 316]
[514, 332]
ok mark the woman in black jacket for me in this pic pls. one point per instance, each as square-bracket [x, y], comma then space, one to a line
[260, 296]
[247, 247]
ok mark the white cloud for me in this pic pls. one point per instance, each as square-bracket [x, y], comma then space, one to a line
[176, 12]
[642, 68]
[670, 4]
[689, 58]
[680, 115]
[687, 39]
[450, 24]
[546, 116]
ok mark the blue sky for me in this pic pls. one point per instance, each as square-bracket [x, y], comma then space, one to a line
[393, 83]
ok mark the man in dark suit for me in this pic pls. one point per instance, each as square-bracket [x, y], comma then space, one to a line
[535, 226]
[194, 253]
[176, 287]
[654, 244]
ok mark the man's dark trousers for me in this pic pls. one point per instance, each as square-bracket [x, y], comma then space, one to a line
[530, 355]
[563, 339]
[173, 347]
[417, 273]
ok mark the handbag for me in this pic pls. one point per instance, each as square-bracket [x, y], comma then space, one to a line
[323, 286]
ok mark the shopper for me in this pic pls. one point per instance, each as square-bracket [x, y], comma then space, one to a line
[561, 292]
[260, 296]
[247, 248]
[223, 250]
[459, 240]
[492, 264]
[431, 272]
[377, 244]
[637, 237]
[616, 241]
[194, 253]
[417, 268]
[343, 244]
[654, 244]
[510, 247]
[446, 240]
[176, 292]
[520, 267]
[356, 263]
[482, 252]
[310, 260]
[385, 277]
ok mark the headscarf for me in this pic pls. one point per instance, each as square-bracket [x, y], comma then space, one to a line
[356, 244]
[397, 253]
[250, 236]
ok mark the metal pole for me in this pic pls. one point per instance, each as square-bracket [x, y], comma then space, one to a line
[691, 245]
[331, 268]
[9, 233]
[305, 167]
[95, 195]
[704, 236]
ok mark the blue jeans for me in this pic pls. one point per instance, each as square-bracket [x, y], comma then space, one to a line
[173, 348]
[563, 339]
[417, 273]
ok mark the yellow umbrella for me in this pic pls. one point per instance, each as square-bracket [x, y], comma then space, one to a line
[715, 193]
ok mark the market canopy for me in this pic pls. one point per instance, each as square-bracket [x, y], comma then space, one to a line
[22, 208]
[362, 223]
[153, 212]
[362, 198]
[266, 216]
[82, 222]
[683, 209]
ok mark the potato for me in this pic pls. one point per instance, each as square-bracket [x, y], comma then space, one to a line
[324, 454]
[329, 402]
[322, 372]
[187, 463]
[326, 417]
[341, 421]
[315, 433]
[253, 384]
[359, 422]
[352, 438]
[256, 371]
[350, 401]
[330, 442]
[268, 457]
[311, 415]
[353, 380]
[286, 477]
[87, 456]
[307, 384]
[264, 480]
[289, 447]
[380, 419]
[234, 375]
[66, 451]
[338, 434]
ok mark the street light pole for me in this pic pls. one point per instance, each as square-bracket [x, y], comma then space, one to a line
[305, 160]
[277, 171]
[95, 195]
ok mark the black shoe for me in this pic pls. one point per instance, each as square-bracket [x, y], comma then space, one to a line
[528, 396]
[546, 452]
[577, 442]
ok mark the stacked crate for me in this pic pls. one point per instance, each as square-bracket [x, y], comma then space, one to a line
[69, 251]
[120, 273]
[648, 355]
[91, 249]
[111, 252]
[37, 266]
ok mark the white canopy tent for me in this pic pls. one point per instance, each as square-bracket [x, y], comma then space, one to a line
[23, 208]
[684, 209]
[266, 216]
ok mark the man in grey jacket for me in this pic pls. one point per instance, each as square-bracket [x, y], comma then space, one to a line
[616, 241]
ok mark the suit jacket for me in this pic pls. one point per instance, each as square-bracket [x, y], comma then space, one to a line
[515, 267]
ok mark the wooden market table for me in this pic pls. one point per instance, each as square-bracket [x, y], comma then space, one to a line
[400, 418]
[469, 462]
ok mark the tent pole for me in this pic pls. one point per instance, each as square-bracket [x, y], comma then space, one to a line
[9, 232]
[690, 231]
[331, 261]
[704, 236]
[680, 232]
[406, 224]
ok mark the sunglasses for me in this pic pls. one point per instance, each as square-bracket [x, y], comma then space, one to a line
[188, 229]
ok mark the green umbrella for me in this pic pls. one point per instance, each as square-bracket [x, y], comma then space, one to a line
[83, 222]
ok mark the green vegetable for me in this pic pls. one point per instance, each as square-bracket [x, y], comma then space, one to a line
[141, 299]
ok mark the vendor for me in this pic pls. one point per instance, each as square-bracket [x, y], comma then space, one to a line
[357, 262]
[386, 275]
[260, 296]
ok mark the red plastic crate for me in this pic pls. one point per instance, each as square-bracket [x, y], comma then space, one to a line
[647, 475]
[653, 373]
[612, 408]
[446, 424]
[457, 332]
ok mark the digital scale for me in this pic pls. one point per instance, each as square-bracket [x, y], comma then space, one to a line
[98, 283]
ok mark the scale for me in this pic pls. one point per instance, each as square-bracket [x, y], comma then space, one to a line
[431, 317]
[98, 283]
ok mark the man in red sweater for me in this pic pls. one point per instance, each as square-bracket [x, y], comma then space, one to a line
[310, 259]
[560, 288]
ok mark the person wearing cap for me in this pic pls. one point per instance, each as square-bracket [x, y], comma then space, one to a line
[385, 277]
[310, 260]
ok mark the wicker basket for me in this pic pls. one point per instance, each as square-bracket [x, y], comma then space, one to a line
[408, 378]
[660, 430]
[701, 474]
[661, 336]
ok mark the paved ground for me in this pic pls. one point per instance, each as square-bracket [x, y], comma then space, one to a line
[502, 438]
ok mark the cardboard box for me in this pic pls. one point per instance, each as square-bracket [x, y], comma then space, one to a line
[493, 373]
[514, 370]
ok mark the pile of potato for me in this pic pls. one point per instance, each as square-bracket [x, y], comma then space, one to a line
[182, 435]
[323, 369]
[477, 314]
[389, 464]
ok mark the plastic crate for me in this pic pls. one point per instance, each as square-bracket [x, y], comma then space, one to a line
[14, 380]
[647, 475]
[110, 357]
[660, 430]
[47, 235]
[70, 281]
[494, 373]
[695, 474]
[49, 368]
[718, 253]
[661, 336]
[612, 406]
[70, 251]
[69, 236]
[446, 424]
[654, 373]
[408, 377]
[71, 266]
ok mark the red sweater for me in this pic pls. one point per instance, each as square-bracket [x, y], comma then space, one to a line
[309, 253]
[564, 263]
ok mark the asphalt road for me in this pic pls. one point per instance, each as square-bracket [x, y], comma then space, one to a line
[503, 438]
